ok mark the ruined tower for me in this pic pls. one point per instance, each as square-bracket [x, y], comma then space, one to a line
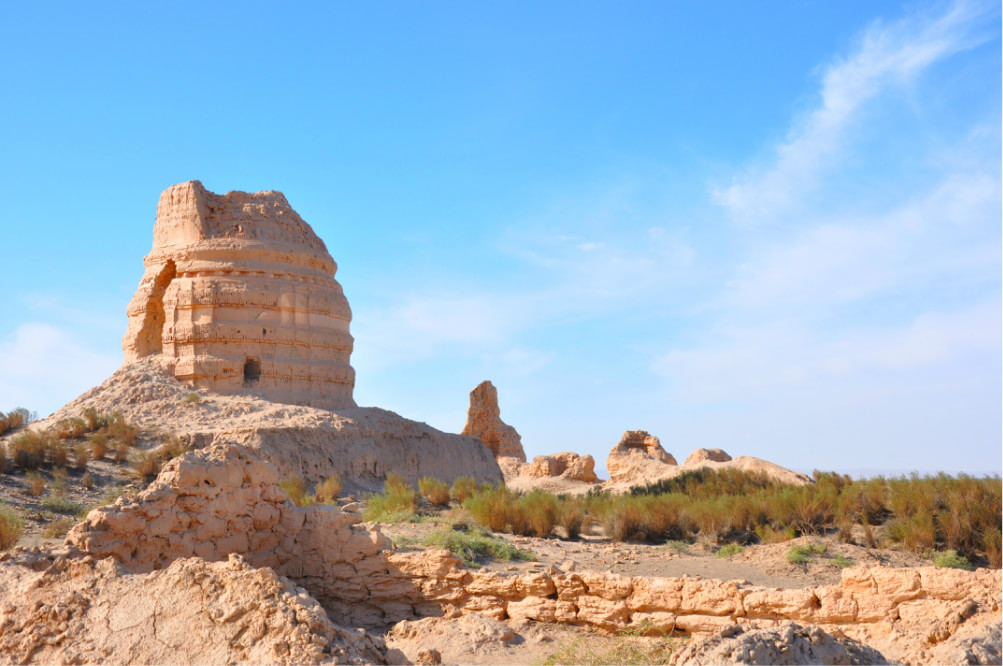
[240, 292]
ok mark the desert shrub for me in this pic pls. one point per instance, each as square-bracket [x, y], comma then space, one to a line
[541, 512]
[28, 449]
[94, 420]
[397, 503]
[729, 550]
[11, 527]
[951, 560]
[111, 495]
[121, 453]
[842, 562]
[121, 430]
[58, 528]
[192, 398]
[36, 484]
[295, 487]
[434, 491]
[571, 516]
[489, 505]
[87, 481]
[16, 418]
[71, 429]
[81, 456]
[172, 447]
[475, 545]
[99, 444]
[59, 503]
[56, 452]
[625, 519]
[463, 487]
[768, 534]
[145, 465]
[802, 554]
[704, 483]
[991, 538]
[4, 461]
[327, 491]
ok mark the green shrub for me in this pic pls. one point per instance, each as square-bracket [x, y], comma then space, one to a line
[434, 491]
[951, 560]
[768, 534]
[11, 527]
[730, 549]
[295, 487]
[327, 491]
[473, 546]
[192, 398]
[842, 562]
[489, 505]
[397, 503]
[571, 516]
[463, 487]
[803, 554]
[58, 503]
[541, 512]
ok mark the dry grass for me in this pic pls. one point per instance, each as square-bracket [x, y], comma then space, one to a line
[11, 527]
[14, 419]
[36, 484]
[295, 487]
[58, 528]
[434, 491]
[81, 456]
[145, 465]
[327, 491]
[463, 487]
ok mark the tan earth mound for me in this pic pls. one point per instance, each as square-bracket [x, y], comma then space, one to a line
[703, 455]
[635, 455]
[239, 293]
[91, 611]
[484, 422]
[789, 643]
[362, 444]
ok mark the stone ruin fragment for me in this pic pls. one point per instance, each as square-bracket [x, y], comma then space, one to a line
[484, 422]
[240, 293]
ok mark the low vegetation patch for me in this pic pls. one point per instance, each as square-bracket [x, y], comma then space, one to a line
[11, 527]
[58, 528]
[805, 554]
[59, 503]
[729, 550]
[919, 514]
[327, 491]
[951, 560]
[463, 487]
[434, 491]
[14, 419]
[397, 503]
[474, 546]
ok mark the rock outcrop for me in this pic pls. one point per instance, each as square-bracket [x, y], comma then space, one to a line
[87, 611]
[703, 455]
[789, 643]
[635, 454]
[239, 293]
[566, 465]
[484, 422]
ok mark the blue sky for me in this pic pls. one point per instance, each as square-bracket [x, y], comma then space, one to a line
[773, 228]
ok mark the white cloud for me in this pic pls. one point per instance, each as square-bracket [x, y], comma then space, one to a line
[888, 56]
[45, 367]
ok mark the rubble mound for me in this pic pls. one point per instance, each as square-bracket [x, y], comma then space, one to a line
[790, 643]
[635, 455]
[239, 292]
[703, 455]
[82, 610]
[484, 422]
[362, 444]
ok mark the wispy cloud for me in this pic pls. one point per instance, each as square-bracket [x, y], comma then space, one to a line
[888, 57]
[45, 366]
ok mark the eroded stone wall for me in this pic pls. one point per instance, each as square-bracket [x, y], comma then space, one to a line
[240, 292]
